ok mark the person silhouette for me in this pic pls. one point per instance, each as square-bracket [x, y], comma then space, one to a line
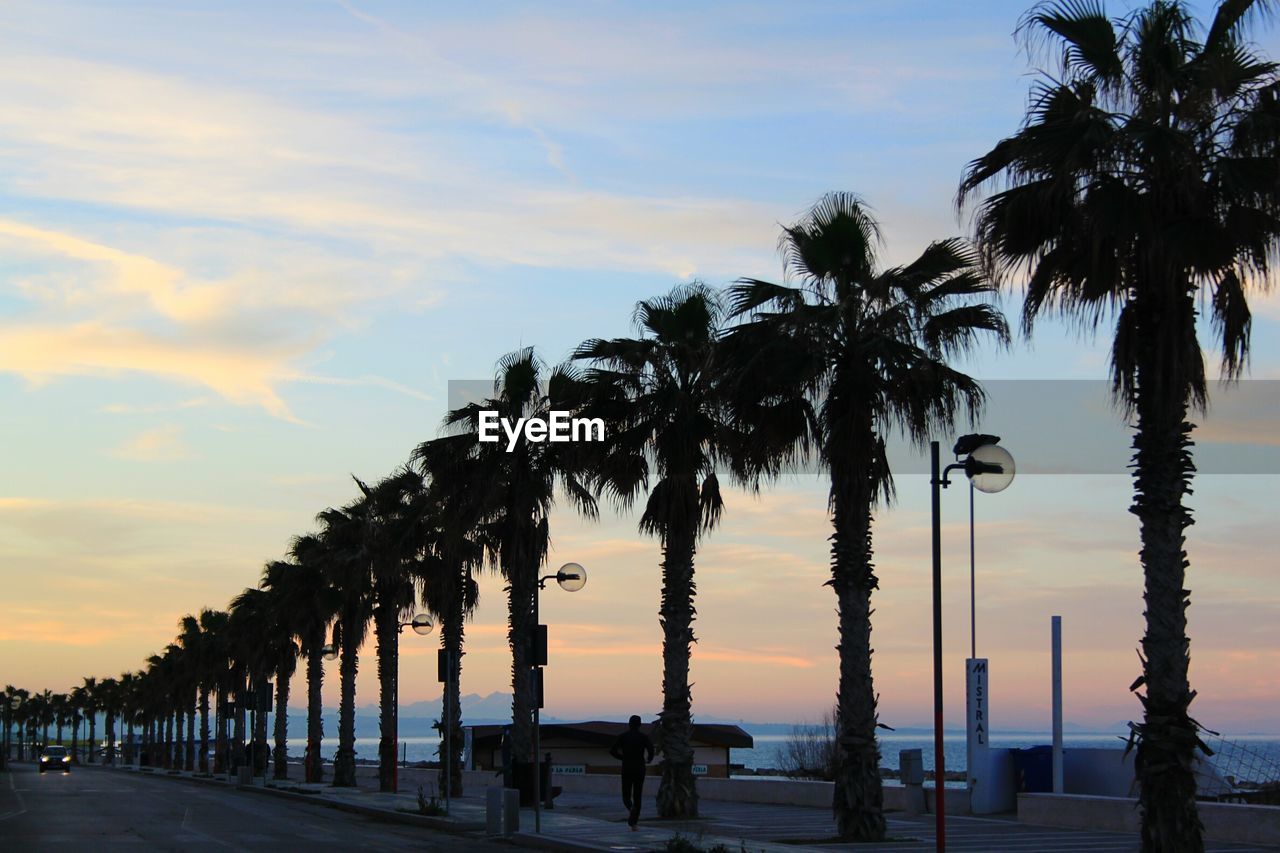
[634, 749]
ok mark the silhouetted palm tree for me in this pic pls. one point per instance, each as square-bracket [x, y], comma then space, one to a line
[315, 603]
[849, 355]
[277, 578]
[662, 397]
[391, 540]
[515, 491]
[92, 704]
[347, 568]
[1146, 176]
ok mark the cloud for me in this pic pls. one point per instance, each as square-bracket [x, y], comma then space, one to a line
[159, 444]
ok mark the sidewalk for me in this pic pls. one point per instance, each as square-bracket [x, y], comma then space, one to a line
[595, 822]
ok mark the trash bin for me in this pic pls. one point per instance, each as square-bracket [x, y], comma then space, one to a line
[1034, 769]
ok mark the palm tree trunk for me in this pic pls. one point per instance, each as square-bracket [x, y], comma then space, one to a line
[222, 748]
[386, 626]
[179, 717]
[128, 738]
[523, 586]
[315, 712]
[93, 733]
[168, 741]
[452, 634]
[858, 798]
[281, 755]
[259, 742]
[1168, 737]
[111, 738]
[75, 739]
[203, 764]
[677, 792]
[189, 759]
[344, 763]
[237, 731]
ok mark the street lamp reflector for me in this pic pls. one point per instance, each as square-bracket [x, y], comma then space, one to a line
[329, 652]
[422, 624]
[571, 577]
[990, 482]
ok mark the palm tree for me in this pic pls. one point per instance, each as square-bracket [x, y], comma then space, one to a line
[44, 711]
[849, 355]
[191, 639]
[278, 578]
[92, 705]
[662, 395]
[255, 654]
[454, 551]
[314, 603]
[77, 701]
[391, 541]
[109, 691]
[1146, 175]
[130, 703]
[347, 569]
[516, 490]
[59, 705]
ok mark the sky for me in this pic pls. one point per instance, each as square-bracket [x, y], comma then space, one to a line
[245, 246]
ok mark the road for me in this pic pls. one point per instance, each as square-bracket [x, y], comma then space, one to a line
[91, 809]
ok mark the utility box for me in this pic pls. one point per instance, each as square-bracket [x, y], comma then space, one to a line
[502, 810]
[911, 766]
[911, 773]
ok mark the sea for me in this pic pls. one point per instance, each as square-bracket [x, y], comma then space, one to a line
[770, 746]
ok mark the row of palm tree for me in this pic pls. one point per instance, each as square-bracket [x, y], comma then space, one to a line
[1146, 173]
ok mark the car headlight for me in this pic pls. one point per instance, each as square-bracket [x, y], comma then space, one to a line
[44, 759]
[66, 759]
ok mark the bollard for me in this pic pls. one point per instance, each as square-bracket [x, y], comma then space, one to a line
[911, 774]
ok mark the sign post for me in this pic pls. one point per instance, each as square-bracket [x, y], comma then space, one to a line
[977, 723]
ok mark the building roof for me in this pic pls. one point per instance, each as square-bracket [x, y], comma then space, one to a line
[604, 732]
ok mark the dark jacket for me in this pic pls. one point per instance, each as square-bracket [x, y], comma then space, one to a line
[634, 749]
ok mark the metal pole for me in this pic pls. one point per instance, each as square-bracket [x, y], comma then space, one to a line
[973, 597]
[448, 725]
[537, 739]
[395, 717]
[1057, 704]
[939, 762]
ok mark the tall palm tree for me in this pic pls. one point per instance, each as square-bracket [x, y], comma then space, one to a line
[391, 542]
[314, 603]
[130, 703]
[109, 690]
[77, 701]
[347, 568]
[516, 490]
[59, 704]
[454, 550]
[217, 657]
[662, 395]
[278, 578]
[1145, 176]
[91, 707]
[191, 639]
[839, 360]
[255, 654]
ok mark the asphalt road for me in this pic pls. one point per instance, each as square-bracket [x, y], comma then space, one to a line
[91, 809]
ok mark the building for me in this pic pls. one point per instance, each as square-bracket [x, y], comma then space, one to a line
[579, 748]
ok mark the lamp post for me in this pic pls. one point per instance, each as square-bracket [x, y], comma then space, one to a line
[980, 461]
[422, 625]
[571, 577]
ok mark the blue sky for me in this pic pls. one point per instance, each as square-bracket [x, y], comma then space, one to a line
[244, 246]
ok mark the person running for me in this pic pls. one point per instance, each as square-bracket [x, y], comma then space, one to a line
[634, 749]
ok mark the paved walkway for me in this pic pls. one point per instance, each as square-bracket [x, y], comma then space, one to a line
[597, 822]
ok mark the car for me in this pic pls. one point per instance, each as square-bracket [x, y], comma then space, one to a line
[55, 757]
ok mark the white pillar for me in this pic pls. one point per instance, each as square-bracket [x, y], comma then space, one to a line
[1057, 704]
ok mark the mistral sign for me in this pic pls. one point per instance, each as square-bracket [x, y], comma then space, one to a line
[558, 426]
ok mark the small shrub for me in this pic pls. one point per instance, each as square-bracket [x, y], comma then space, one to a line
[429, 805]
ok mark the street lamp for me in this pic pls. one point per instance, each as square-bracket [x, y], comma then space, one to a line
[422, 625]
[571, 577]
[329, 652]
[982, 458]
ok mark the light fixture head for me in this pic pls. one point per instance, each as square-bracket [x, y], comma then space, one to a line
[995, 468]
[571, 577]
[422, 624]
[329, 652]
